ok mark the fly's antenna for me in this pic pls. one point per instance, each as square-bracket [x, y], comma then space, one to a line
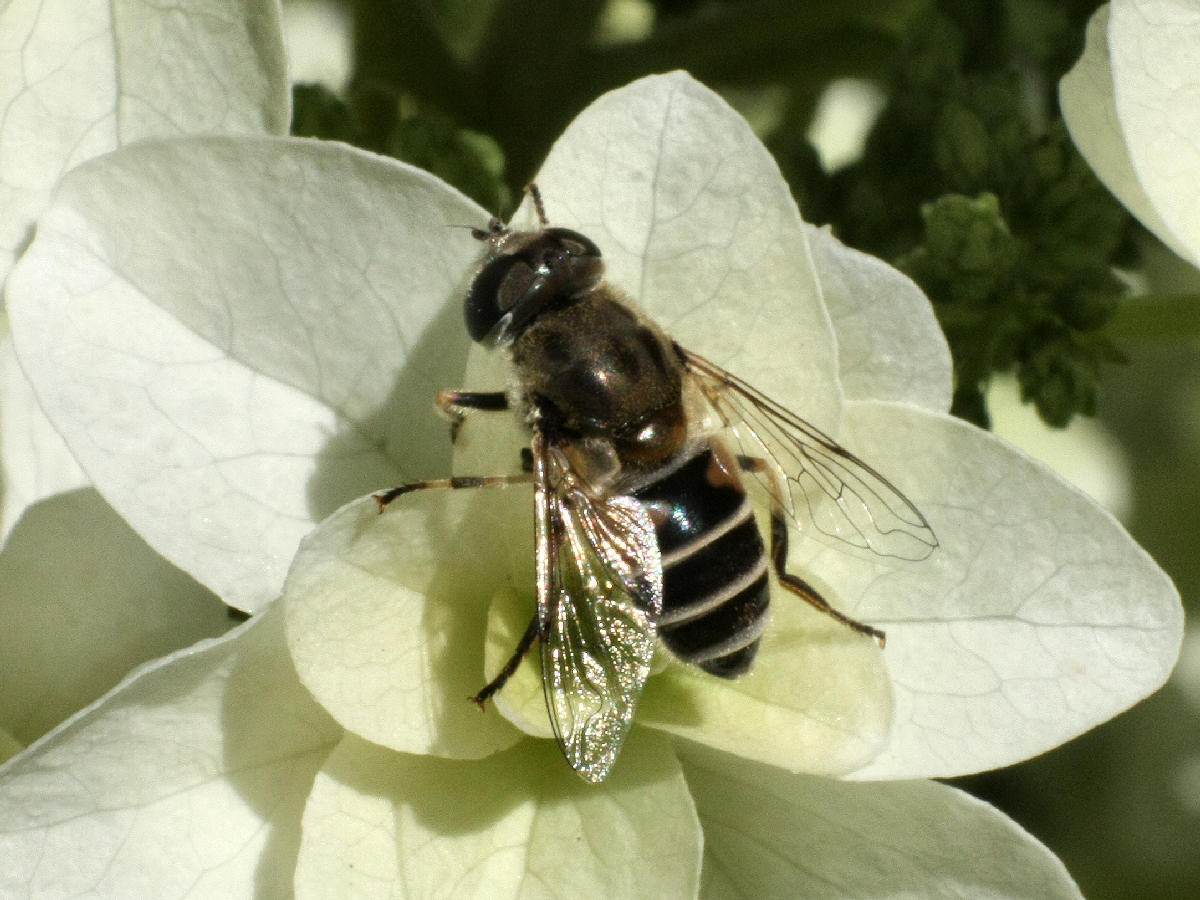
[539, 207]
[494, 227]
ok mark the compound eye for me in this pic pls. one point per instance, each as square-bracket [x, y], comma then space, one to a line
[574, 243]
[515, 284]
[495, 289]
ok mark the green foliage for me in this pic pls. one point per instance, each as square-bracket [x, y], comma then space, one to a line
[317, 112]
[471, 161]
[970, 184]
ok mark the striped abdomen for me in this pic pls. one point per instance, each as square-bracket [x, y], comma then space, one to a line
[715, 588]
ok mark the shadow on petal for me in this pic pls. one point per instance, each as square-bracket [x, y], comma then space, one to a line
[266, 708]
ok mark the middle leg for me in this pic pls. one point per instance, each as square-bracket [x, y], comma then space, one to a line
[533, 631]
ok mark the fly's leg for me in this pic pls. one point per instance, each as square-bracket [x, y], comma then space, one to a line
[457, 482]
[779, 553]
[804, 590]
[455, 405]
[532, 633]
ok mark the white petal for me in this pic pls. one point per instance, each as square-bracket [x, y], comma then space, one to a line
[320, 43]
[1037, 618]
[34, 460]
[522, 699]
[519, 824]
[1154, 47]
[188, 780]
[237, 335]
[79, 78]
[698, 226]
[818, 699]
[771, 834]
[890, 346]
[83, 600]
[1125, 103]
[386, 616]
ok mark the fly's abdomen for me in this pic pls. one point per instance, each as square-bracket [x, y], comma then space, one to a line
[715, 587]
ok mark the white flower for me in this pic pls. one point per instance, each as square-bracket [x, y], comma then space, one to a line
[254, 334]
[1132, 105]
[79, 78]
[82, 598]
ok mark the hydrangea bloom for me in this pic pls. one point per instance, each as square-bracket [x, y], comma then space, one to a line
[1131, 103]
[79, 78]
[254, 334]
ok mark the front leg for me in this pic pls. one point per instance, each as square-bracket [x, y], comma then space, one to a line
[455, 405]
[532, 633]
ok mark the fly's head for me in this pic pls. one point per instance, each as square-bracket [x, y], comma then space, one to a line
[525, 274]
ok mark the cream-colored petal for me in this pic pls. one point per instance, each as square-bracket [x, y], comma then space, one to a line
[1037, 617]
[237, 335]
[519, 824]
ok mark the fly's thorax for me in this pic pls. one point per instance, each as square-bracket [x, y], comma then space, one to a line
[598, 368]
[624, 461]
[653, 443]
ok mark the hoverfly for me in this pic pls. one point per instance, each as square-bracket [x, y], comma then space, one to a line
[644, 531]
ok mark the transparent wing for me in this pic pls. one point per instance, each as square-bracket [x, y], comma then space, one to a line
[813, 479]
[599, 596]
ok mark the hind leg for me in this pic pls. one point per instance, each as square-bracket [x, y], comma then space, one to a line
[531, 633]
[794, 583]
